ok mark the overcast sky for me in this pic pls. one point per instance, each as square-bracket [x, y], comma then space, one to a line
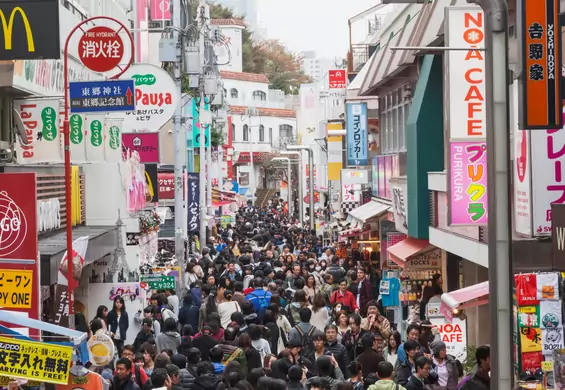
[319, 25]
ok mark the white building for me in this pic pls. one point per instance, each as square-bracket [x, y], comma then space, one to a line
[244, 8]
[316, 67]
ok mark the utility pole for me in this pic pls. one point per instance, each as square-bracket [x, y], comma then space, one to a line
[180, 141]
[204, 117]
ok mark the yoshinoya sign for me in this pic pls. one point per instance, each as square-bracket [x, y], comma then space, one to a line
[18, 242]
[466, 115]
[30, 29]
[357, 125]
[156, 98]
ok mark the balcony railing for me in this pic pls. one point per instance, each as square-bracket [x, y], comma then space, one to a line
[357, 57]
[281, 142]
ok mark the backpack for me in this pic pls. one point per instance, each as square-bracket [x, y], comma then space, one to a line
[463, 381]
[263, 303]
[306, 339]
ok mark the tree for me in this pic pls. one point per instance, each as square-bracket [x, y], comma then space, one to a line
[271, 57]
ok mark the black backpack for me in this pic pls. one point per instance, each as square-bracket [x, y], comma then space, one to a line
[306, 339]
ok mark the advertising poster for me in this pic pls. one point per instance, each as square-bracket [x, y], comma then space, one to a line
[146, 144]
[193, 183]
[357, 124]
[166, 185]
[152, 183]
[454, 335]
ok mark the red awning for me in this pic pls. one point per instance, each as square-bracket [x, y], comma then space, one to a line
[407, 248]
[353, 232]
[470, 296]
[258, 157]
[222, 203]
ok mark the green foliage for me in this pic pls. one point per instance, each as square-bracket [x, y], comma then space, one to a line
[470, 361]
[216, 136]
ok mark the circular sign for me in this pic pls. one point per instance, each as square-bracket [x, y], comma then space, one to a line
[316, 198]
[101, 49]
[13, 225]
[197, 139]
[100, 349]
[156, 98]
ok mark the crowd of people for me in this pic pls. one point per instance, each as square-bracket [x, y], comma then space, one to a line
[265, 305]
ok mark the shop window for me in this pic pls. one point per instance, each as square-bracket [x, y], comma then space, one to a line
[394, 109]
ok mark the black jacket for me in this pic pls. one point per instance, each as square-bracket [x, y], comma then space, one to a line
[414, 383]
[477, 382]
[208, 382]
[113, 323]
[369, 361]
[141, 338]
[295, 386]
[341, 356]
[204, 343]
[337, 272]
[403, 374]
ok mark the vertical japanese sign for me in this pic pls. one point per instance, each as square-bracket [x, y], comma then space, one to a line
[160, 10]
[357, 123]
[19, 272]
[558, 236]
[466, 115]
[193, 182]
[539, 34]
[166, 186]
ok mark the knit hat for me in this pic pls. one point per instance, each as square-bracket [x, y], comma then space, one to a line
[437, 347]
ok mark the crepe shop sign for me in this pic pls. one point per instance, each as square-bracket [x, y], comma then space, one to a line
[468, 183]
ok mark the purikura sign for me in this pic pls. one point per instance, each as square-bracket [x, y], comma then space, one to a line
[466, 115]
[156, 98]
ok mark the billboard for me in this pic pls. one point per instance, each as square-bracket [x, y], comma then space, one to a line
[466, 115]
[357, 125]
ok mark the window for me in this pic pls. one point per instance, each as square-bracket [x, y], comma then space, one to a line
[233, 93]
[261, 133]
[270, 134]
[259, 95]
[232, 132]
[285, 131]
[394, 110]
[245, 133]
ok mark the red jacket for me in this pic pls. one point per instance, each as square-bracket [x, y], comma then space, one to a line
[345, 299]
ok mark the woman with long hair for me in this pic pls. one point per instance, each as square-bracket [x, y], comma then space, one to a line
[390, 352]
[190, 275]
[118, 322]
[227, 308]
[310, 287]
[320, 315]
[299, 302]
[282, 323]
[342, 323]
[149, 353]
[102, 315]
[253, 356]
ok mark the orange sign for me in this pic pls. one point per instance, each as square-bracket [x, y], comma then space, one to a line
[541, 69]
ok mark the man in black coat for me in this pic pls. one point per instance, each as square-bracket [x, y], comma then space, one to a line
[338, 350]
[422, 367]
[204, 342]
[370, 358]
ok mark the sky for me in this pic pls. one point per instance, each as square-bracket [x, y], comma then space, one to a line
[319, 25]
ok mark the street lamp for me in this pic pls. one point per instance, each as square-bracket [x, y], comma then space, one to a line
[300, 184]
[288, 178]
[311, 178]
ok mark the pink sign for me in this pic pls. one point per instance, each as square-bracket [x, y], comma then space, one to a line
[468, 183]
[160, 10]
[146, 144]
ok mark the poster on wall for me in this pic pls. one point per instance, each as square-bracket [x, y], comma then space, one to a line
[454, 335]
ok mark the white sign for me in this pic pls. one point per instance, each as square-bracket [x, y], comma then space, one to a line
[113, 140]
[353, 196]
[354, 176]
[466, 110]
[156, 98]
[454, 335]
[48, 214]
[400, 204]
[521, 171]
[548, 176]
[40, 119]
[552, 340]
[95, 137]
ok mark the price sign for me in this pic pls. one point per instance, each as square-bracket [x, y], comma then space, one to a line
[159, 282]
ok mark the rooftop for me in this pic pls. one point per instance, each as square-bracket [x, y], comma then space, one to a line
[253, 77]
[276, 112]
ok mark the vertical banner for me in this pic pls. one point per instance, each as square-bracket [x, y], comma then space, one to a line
[466, 116]
[40, 121]
[335, 156]
[95, 138]
[193, 201]
[196, 133]
[77, 123]
[151, 179]
[558, 236]
[357, 124]
[113, 139]
[18, 246]
[539, 37]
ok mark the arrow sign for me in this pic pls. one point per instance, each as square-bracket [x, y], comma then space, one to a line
[101, 96]
[129, 95]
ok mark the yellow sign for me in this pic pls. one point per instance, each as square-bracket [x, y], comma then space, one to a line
[34, 361]
[547, 366]
[530, 339]
[15, 289]
[9, 26]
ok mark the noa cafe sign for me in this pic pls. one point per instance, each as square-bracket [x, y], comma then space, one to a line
[156, 97]
[454, 335]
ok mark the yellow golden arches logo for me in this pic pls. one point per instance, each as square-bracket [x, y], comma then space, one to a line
[8, 27]
[151, 192]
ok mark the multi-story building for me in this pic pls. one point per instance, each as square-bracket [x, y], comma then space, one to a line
[316, 67]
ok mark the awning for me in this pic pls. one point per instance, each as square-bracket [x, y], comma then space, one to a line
[369, 211]
[258, 157]
[471, 296]
[354, 232]
[407, 248]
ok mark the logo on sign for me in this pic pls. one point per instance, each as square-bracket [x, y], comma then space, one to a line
[101, 49]
[13, 225]
[8, 27]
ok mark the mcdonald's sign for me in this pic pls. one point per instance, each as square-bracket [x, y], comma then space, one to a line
[30, 30]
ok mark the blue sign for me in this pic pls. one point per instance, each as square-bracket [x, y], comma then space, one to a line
[357, 125]
[193, 182]
[196, 125]
[101, 96]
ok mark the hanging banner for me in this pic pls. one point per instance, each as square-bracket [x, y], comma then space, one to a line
[40, 120]
[156, 98]
[152, 183]
[193, 182]
[113, 139]
[77, 123]
[95, 138]
[166, 186]
[196, 125]
[146, 144]
[32, 360]
[539, 40]
[18, 245]
[357, 124]
[335, 154]
[468, 183]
